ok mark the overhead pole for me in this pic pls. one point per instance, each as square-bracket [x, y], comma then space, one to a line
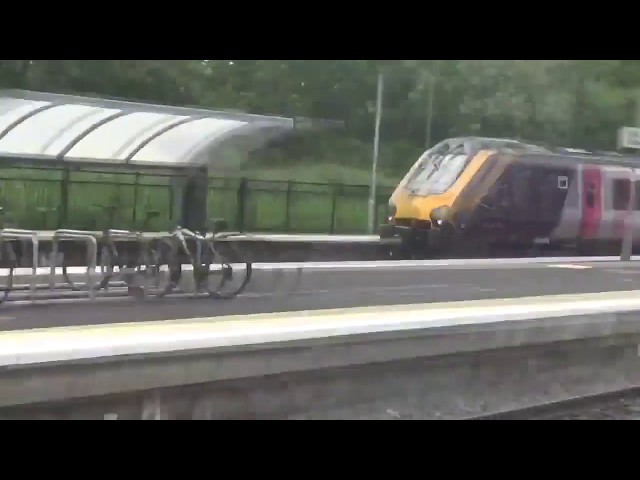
[376, 151]
[433, 78]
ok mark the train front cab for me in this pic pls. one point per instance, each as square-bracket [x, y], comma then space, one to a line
[422, 216]
[503, 193]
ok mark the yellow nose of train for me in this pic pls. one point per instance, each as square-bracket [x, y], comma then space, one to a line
[433, 206]
[407, 206]
[426, 218]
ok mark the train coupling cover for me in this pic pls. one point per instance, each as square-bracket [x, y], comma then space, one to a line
[392, 234]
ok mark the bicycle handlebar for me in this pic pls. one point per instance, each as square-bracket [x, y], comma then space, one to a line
[185, 232]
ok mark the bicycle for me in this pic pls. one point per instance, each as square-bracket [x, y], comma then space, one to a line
[129, 267]
[226, 264]
[168, 251]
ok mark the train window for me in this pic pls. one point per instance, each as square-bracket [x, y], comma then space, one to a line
[447, 173]
[426, 165]
[423, 174]
[621, 194]
[437, 172]
[563, 182]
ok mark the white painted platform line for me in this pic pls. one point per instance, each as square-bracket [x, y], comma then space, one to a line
[573, 267]
[74, 343]
[557, 262]
[453, 262]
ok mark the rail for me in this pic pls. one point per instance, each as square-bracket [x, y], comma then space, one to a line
[563, 408]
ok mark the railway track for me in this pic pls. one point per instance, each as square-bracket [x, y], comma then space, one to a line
[621, 404]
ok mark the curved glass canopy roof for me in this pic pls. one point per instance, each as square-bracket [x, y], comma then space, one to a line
[73, 128]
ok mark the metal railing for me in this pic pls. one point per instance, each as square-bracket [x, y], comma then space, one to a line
[12, 234]
[92, 255]
[52, 198]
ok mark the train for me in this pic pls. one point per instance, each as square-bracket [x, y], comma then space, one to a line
[477, 196]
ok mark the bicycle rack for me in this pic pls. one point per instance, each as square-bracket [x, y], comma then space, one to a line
[31, 291]
[199, 240]
[92, 254]
[18, 234]
[121, 235]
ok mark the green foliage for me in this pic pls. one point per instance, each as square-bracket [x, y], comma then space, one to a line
[568, 102]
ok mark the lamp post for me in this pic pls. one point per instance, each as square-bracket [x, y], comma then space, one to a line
[433, 76]
[376, 149]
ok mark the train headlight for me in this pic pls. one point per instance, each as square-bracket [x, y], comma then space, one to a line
[391, 214]
[440, 215]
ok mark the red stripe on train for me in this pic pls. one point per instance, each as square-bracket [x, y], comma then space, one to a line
[591, 202]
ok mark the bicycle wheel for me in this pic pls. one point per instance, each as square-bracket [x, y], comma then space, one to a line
[67, 278]
[232, 272]
[139, 273]
[129, 267]
[157, 258]
[8, 256]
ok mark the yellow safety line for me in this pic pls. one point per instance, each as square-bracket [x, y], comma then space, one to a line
[249, 323]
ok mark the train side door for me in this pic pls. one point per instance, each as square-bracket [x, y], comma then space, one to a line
[551, 197]
[591, 202]
[540, 193]
[618, 209]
